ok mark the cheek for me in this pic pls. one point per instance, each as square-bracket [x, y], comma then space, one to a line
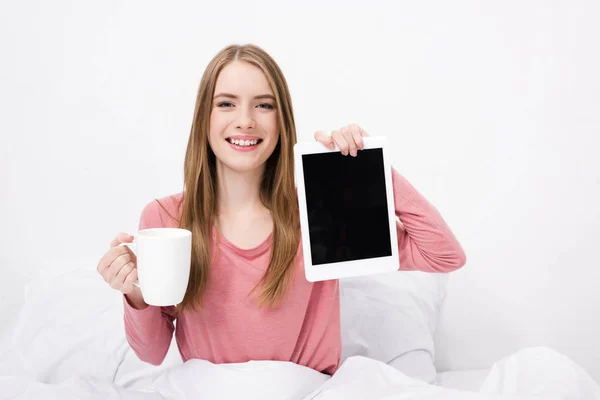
[271, 125]
[216, 125]
[214, 120]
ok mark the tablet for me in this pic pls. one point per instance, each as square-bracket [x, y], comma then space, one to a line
[347, 215]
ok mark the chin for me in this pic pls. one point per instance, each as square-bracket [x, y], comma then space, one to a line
[244, 168]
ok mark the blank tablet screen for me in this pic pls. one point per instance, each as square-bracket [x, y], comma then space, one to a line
[346, 206]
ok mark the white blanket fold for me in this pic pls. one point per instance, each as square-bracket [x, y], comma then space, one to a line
[534, 373]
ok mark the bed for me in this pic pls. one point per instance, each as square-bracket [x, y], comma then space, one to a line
[68, 342]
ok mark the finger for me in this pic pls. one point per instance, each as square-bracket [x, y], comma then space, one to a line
[340, 141]
[110, 256]
[356, 135]
[347, 133]
[362, 131]
[110, 275]
[112, 271]
[121, 238]
[130, 281]
[124, 272]
[324, 138]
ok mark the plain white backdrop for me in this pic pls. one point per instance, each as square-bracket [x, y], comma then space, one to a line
[492, 109]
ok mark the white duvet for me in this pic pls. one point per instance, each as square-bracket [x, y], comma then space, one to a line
[534, 373]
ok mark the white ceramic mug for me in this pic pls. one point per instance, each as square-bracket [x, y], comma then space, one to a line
[163, 264]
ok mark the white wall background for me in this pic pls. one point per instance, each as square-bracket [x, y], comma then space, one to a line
[493, 109]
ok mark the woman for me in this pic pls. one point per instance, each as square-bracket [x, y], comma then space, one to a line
[247, 297]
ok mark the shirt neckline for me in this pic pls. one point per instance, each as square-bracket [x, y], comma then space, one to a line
[251, 252]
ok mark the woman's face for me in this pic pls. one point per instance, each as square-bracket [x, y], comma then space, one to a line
[243, 120]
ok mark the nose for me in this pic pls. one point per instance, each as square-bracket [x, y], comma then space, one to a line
[245, 119]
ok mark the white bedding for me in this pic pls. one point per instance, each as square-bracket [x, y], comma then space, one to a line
[536, 373]
[470, 380]
[69, 343]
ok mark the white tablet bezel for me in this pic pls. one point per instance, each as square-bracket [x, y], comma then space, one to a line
[345, 269]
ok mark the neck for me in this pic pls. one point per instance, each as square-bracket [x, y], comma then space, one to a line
[238, 192]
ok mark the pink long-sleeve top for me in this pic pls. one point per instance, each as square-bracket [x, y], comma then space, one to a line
[305, 327]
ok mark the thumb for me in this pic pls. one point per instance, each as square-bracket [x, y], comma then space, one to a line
[325, 138]
[121, 238]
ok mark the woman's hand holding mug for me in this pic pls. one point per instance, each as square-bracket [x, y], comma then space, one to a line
[160, 260]
[118, 268]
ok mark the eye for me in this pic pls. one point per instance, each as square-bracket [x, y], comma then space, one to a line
[266, 106]
[224, 104]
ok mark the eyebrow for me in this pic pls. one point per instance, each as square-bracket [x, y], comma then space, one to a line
[233, 96]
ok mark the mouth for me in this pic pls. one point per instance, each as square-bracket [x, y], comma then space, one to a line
[244, 143]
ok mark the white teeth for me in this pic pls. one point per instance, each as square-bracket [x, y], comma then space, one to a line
[244, 142]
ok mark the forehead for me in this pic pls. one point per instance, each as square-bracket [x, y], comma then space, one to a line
[242, 78]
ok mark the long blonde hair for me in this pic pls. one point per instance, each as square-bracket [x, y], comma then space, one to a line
[277, 191]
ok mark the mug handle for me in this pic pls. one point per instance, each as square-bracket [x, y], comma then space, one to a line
[133, 247]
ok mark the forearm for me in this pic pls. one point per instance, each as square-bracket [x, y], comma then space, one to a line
[148, 330]
[425, 241]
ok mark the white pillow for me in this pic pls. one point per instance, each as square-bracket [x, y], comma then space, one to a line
[392, 317]
[71, 324]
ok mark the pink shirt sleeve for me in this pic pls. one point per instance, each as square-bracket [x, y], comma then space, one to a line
[425, 242]
[149, 331]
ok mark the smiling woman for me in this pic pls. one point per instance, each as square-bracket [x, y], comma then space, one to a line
[247, 297]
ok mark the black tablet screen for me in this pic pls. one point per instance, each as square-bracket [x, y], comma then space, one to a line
[346, 206]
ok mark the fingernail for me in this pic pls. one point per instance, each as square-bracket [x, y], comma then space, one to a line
[331, 146]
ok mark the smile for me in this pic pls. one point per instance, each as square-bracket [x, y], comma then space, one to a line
[244, 143]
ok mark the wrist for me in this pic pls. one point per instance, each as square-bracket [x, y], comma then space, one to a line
[135, 299]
